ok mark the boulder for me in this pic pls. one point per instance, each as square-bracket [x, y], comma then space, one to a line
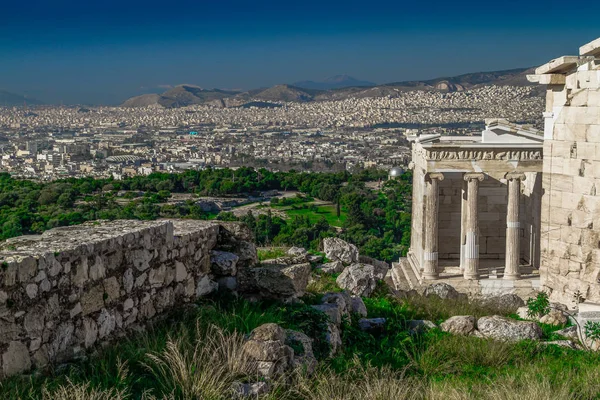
[297, 251]
[502, 328]
[304, 358]
[275, 281]
[343, 300]
[359, 279]
[334, 267]
[357, 306]
[249, 389]
[560, 343]
[442, 290]
[339, 250]
[332, 310]
[569, 332]
[459, 325]
[267, 348]
[509, 302]
[523, 312]
[286, 260]
[333, 338]
[419, 325]
[554, 317]
[371, 324]
[314, 258]
[223, 262]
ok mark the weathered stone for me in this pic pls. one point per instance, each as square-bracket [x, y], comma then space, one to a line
[560, 343]
[227, 283]
[250, 389]
[357, 306]
[89, 332]
[34, 322]
[112, 289]
[338, 250]
[128, 280]
[509, 302]
[371, 324]
[502, 328]
[206, 286]
[180, 271]
[333, 338]
[359, 279]
[442, 290]
[459, 325]
[569, 332]
[269, 331]
[419, 325]
[106, 323]
[332, 310]
[554, 317]
[92, 300]
[334, 267]
[31, 290]
[342, 300]
[304, 357]
[223, 262]
[16, 359]
[297, 251]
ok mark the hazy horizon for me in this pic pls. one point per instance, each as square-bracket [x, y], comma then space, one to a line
[74, 52]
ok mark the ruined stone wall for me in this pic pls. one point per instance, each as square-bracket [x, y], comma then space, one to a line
[72, 288]
[570, 232]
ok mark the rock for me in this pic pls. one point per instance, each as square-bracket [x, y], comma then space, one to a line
[561, 343]
[338, 250]
[341, 299]
[334, 267]
[554, 317]
[442, 290]
[269, 331]
[206, 286]
[357, 306]
[304, 357]
[250, 389]
[297, 251]
[299, 275]
[279, 282]
[509, 302]
[16, 359]
[287, 260]
[359, 279]
[569, 332]
[459, 325]
[502, 328]
[314, 258]
[227, 283]
[333, 338]
[419, 325]
[371, 324]
[223, 262]
[332, 310]
[523, 312]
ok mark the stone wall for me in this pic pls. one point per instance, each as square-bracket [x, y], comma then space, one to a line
[570, 234]
[71, 288]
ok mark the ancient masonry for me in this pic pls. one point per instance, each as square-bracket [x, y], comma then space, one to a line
[71, 288]
[570, 229]
[514, 209]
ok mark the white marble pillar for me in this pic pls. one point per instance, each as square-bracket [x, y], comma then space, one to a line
[430, 252]
[471, 239]
[463, 218]
[513, 227]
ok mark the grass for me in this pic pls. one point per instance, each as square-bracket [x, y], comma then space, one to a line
[327, 211]
[269, 253]
[196, 354]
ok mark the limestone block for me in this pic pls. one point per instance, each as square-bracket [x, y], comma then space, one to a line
[34, 322]
[97, 269]
[140, 280]
[89, 332]
[156, 277]
[27, 269]
[16, 359]
[112, 289]
[180, 271]
[128, 280]
[92, 300]
[31, 290]
[205, 286]
[62, 342]
[106, 323]
[81, 272]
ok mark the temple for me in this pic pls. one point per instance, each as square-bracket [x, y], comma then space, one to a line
[514, 209]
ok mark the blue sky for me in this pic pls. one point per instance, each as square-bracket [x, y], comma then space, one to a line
[105, 51]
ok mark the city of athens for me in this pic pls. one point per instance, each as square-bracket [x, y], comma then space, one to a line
[333, 200]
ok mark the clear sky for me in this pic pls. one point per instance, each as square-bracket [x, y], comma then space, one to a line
[103, 51]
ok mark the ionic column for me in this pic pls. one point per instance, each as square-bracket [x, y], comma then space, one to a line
[430, 254]
[471, 229]
[513, 240]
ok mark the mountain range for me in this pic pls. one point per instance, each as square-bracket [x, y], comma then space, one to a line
[338, 87]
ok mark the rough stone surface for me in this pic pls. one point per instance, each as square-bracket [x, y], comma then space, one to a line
[502, 328]
[359, 279]
[297, 251]
[357, 306]
[332, 310]
[419, 325]
[342, 300]
[442, 290]
[223, 262]
[507, 302]
[250, 389]
[371, 324]
[569, 332]
[334, 267]
[304, 358]
[333, 337]
[459, 325]
[554, 317]
[275, 281]
[338, 250]
[84, 285]
[266, 345]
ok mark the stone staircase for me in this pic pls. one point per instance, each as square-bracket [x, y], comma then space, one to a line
[404, 277]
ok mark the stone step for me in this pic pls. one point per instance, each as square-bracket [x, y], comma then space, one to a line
[398, 277]
[410, 275]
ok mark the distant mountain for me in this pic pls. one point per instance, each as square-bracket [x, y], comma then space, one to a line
[185, 95]
[8, 99]
[335, 82]
[179, 96]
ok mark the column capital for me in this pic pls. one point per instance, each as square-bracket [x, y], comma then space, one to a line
[473, 175]
[434, 175]
[515, 175]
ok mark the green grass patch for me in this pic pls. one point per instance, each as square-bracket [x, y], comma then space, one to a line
[326, 211]
[271, 253]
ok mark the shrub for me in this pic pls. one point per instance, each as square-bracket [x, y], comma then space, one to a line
[538, 306]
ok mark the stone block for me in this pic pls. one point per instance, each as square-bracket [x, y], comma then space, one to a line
[112, 289]
[92, 300]
[16, 359]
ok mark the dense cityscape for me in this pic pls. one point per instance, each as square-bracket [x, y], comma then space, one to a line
[50, 142]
